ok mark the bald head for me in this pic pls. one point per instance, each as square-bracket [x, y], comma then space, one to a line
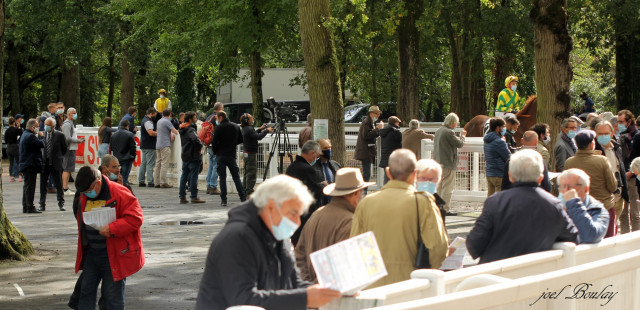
[529, 138]
[402, 164]
[324, 144]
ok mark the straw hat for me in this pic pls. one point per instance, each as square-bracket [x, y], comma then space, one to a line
[348, 180]
[374, 108]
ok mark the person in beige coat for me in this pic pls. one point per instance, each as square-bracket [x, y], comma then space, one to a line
[391, 215]
[331, 223]
[412, 138]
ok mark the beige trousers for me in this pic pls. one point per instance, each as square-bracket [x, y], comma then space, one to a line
[445, 188]
[162, 165]
[494, 185]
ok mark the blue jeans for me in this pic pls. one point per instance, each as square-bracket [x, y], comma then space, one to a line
[212, 173]
[125, 170]
[227, 161]
[96, 267]
[190, 171]
[147, 162]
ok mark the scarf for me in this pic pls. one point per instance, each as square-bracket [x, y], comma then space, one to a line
[565, 138]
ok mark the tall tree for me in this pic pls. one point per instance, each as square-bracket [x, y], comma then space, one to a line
[409, 61]
[553, 44]
[13, 243]
[321, 64]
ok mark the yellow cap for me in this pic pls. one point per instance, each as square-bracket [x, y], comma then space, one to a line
[509, 79]
[162, 91]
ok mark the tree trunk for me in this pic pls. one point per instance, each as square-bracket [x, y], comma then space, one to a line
[374, 60]
[14, 78]
[256, 87]
[627, 49]
[13, 243]
[456, 82]
[409, 62]
[70, 85]
[553, 70]
[112, 81]
[321, 64]
[127, 90]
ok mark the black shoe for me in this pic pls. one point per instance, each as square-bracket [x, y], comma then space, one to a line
[41, 209]
[449, 213]
[34, 211]
[142, 184]
[61, 207]
[183, 200]
[151, 185]
[223, 204]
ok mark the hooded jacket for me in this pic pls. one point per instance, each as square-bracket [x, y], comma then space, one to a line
[496, 154]
[191, 145]
[246, 265]
[391, 140]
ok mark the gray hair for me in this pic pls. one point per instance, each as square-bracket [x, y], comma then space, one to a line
[583, 176]
[69, 110]
[32, 122]
[309, 147]
[429, 164]
[603, 123]
[451, 119]
[635, 165]
[414, 124]
[566, 121]
[280, 189]
[218, 106]
[402, 163]
[106, 160]
[50, 119]
[526, 166]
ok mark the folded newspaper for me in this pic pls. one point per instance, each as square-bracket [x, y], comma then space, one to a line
[99, 217]
[456, 260]
[350, 265]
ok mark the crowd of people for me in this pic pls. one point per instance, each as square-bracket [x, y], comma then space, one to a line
[261, 256]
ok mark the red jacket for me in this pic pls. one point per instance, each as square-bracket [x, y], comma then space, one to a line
[126, 255]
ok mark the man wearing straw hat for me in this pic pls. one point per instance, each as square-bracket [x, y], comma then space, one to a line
[331, 223]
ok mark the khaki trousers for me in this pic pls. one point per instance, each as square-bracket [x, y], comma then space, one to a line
[445, 188]
[494, 185]
[162, 165]
[630, 217]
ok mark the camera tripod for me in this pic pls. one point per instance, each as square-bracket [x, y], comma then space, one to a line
[283, 147]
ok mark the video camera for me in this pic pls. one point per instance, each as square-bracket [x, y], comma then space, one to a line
[281, 113]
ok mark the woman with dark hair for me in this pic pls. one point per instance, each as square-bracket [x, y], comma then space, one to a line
[13, 149]
[250, 139]
[104, 137]
[544, 138]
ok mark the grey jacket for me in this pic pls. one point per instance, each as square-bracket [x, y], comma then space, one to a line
[562, 150]
[445, 146]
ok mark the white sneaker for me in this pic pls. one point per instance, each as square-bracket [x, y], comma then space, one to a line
[68, 192]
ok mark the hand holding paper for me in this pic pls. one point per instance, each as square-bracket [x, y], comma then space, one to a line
[99, 217]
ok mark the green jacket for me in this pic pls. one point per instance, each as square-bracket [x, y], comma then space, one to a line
[445, 146]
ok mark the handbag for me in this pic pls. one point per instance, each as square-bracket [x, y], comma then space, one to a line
[422, 256]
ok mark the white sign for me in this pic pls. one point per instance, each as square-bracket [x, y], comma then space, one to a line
[320, 129]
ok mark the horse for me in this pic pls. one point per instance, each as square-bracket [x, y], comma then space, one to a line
[527, 118]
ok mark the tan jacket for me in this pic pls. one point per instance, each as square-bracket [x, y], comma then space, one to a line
[544, 152]
[411, 139]
[391, 215]
[603, 181]
[328, 225]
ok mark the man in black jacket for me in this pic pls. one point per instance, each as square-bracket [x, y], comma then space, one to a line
[302, 169]
[250, 138]
[123, 147]
[251, 261]
[30, 164]
[391, 141]
[191, 158]
[326, 167]
[55, 147]
[226, 138]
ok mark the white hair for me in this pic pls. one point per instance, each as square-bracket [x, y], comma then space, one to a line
[50, 119]
[414, 124]
[69, 110]
[451, 119]
[429, 164]
[526, 166]
[635, 165]
[583, 176]
[281, 188]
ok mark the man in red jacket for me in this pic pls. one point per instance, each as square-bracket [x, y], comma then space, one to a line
[114, 251]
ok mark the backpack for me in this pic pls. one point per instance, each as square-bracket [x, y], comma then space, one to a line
[206, 132]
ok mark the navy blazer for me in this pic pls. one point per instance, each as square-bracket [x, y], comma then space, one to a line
[30, 153]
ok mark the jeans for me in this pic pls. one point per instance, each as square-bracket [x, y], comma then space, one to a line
[162, 165]
[190, 171]
[147, 163]
[48, 170]
[125, 170]
[227, 161]
[14, 164]
[250, 171]
[212, 173]
[96, 268]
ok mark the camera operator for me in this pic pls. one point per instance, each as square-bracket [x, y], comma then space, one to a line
[250, 138]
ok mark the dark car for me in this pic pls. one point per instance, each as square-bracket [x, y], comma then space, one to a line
[356, 112]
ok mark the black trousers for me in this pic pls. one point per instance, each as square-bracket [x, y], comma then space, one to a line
[56, 175]
[29, 188]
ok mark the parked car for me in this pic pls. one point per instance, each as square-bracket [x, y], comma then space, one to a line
[356, 112]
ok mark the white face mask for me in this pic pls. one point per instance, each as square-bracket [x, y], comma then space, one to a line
[546, 140]
[161, 96]
[514, 87]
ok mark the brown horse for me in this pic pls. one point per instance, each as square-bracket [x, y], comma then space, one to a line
[527, 117]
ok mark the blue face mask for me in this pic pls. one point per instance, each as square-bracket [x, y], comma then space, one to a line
[638, 177]
[92, 194]
[604, 139]
[75, 117]
[22, 121]
[326, 154]
[561, 198]
[503, 131]
[514, 87]
[314, 162]
[47, 128]
[285, 229]
[427, 186]
[622, 127]
[60, 111]
[512, 131]
[572, 134]
[374, 119]
[113, 176]
[217, 123]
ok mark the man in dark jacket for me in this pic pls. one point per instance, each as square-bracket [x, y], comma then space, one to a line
[191, 158]
[512, 125]
[226, 138]
[391, 141]
[130, 117]
[529, 141]
[366, 143]
[629, 140]
[250, 138]
[147, 148]
[30, 164]
[123, 147]
[250, 261]
[55, 147]
[496, 154]
[302, 169]
[326, 167]
[504, 229]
